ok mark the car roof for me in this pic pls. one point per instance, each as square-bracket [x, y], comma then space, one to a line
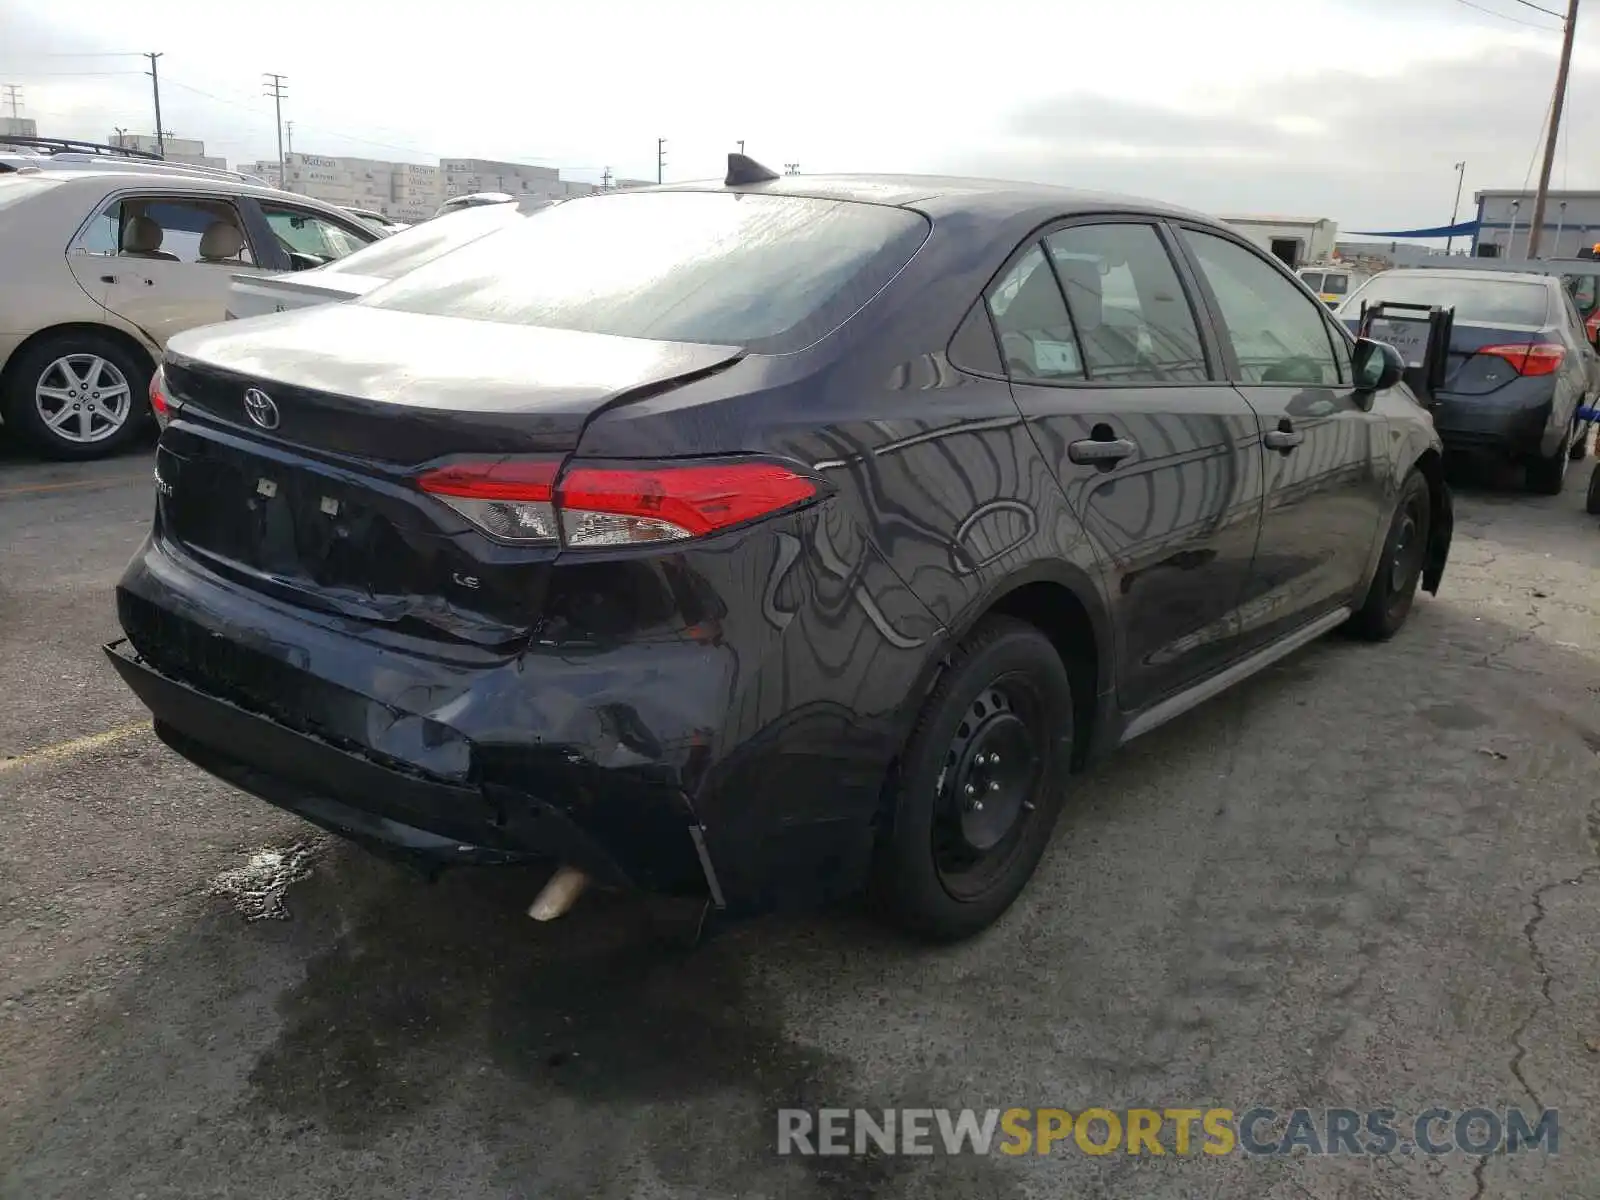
[150, 181]
[949, 194]
[1468, 273]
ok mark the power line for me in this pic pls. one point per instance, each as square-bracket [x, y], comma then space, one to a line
[1549, 12]
[1504, 17]
[72, 74]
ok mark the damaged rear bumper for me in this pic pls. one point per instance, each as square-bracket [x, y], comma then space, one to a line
[403, 812]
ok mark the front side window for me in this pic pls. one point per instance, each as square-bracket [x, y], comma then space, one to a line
[1036, 335]
[1128, 307]
[769, 273]
[309, 239]
[1279, 334]
[169, 229]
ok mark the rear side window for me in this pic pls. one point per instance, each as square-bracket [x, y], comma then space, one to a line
[769, 273]
[1476, 301]
[170, 229]
[1130, 313]
[1036, 336]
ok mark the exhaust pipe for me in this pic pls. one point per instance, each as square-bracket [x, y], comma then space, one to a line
[559, 894]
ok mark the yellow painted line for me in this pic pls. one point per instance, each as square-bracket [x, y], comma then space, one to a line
[75, 746]
[110, 481]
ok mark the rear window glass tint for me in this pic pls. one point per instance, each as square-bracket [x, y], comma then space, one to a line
[769, 273]
[1478, 301]
[410, 248]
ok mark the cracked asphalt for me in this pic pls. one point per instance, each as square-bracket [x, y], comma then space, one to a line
[1367, 878]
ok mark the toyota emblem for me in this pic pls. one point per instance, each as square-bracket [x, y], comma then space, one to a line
[259, 407]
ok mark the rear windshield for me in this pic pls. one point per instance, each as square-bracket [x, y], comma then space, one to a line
[1313, 280]
[393, 256]
[1476, 301]
[768, 273]
[1336, 285]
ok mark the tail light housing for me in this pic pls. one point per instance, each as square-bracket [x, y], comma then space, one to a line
[598, 505]
[162, 405]
[1537, 358]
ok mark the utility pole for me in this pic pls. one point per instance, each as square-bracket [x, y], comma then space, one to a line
[274, 88]
[289, 134]
[13, 98]
[1461, 176]
[1556, 104]
[661, 159]
[605, 180]
[155, 90]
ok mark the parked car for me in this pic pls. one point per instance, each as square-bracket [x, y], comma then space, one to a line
[375, 219]
[370, 267]
[1521, 364]
[1331, 283]
[765, 540]
[103, 266]
[475, 200]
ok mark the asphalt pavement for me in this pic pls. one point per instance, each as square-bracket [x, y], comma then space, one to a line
[1367, 879]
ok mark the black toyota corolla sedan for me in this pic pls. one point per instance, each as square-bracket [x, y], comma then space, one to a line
[765, 541]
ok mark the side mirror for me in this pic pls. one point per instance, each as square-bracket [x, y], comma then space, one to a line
[1378, 366]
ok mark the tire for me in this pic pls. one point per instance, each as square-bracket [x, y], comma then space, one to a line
[1591, 503]
[1547, 476]
[1405, 550]
[949, 867]
[63, 364]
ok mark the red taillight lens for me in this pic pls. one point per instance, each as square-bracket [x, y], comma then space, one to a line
[509, 498]
[619, 506]
[615, 505]
[1536, 359]
[158, 398]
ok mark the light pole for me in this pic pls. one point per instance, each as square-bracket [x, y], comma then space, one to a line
[741, 145]
[1561, 221]
[1511, 234]
[1461, 175]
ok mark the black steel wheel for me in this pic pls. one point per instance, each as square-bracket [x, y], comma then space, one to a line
[1405, 552]
[979, 785]
[1591, 502]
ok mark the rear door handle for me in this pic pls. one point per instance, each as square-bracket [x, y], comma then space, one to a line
[108, 279]
[1285, 437]
[1107, 453]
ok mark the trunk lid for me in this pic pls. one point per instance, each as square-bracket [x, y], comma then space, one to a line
[322, 510]
[1469, 372]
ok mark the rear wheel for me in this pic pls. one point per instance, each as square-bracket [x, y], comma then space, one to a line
[1547, 476]
[980, 784]
[1591, 503]
[1405, 550]
[77, 395]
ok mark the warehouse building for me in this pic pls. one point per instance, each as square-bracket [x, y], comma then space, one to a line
[179, 150]
[1505, 223]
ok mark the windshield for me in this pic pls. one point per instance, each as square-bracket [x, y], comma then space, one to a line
[410, 248]
[768, 273]
[1476, 301]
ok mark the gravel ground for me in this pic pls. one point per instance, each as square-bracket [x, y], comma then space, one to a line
[1368, 878]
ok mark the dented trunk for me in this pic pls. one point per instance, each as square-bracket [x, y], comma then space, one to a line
[308, 491]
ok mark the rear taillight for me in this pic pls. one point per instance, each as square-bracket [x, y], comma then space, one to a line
[521, 500]
[1535, 359]
[160, 405]
[510, 498]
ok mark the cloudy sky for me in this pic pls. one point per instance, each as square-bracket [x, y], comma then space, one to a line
[1351, 109]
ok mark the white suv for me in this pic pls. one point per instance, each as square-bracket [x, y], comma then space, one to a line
[104, 263]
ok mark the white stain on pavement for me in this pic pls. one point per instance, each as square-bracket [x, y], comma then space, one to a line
[257, 888]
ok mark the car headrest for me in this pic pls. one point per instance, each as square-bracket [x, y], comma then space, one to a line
[141, 235]
[222, 239]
